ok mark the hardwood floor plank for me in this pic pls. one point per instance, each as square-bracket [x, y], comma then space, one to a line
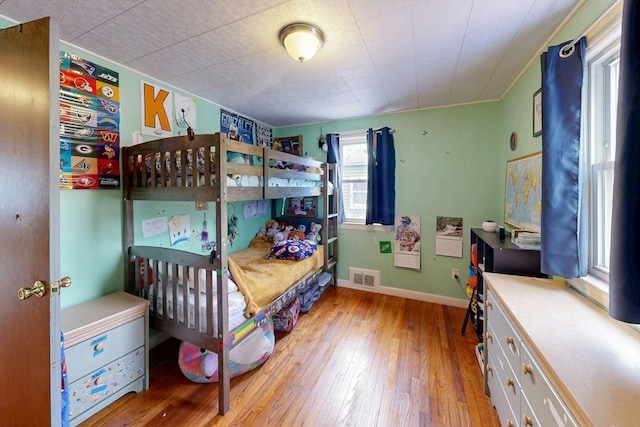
[356, 359]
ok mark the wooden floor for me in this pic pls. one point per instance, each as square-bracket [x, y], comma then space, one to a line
[356, 359]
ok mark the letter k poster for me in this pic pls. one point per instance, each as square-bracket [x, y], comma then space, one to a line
[89, 125]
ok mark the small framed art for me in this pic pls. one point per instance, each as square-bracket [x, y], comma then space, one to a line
[537, 113]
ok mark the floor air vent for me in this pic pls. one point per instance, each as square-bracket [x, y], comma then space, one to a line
[363, 277]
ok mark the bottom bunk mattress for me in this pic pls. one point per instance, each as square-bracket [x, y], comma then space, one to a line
[261, 280]
[236, 302]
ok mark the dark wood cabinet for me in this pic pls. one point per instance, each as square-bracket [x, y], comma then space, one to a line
[496, 256]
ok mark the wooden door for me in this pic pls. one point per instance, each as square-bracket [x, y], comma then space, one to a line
[29, 222]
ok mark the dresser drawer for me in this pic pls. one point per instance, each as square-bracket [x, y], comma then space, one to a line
[499, 397]
[550, 410]
[527, 414]
[503, 333]
[91, 354]
[508, 381]
[101, 384]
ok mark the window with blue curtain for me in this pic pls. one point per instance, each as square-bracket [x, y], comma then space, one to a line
[381, 184]
[600, 219]
[367, 175]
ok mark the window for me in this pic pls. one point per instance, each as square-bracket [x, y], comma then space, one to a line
[353, 155]
[600, 115]
[603, 87]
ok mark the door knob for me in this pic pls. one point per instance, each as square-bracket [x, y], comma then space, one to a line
[37, 289]
[65, 282]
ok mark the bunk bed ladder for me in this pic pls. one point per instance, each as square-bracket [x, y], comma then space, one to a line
[330, 221]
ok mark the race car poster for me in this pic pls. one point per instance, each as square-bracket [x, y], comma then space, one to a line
[89, 125]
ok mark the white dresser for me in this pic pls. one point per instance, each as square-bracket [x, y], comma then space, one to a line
[552, 358]
[106, 351]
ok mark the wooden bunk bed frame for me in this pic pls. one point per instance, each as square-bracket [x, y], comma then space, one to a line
[175, 182]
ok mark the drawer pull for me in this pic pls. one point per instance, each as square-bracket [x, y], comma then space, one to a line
[509, 340]
[527, 369]
[510, 383]
[490, 305]
[490, 369]
[527, 421]
[99, 346]
[510, 423]
[99, 380]
[489, 336]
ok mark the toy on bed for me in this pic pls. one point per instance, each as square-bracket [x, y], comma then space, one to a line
[201, 366]
[297, 233]
[272, 227]
[314, 232]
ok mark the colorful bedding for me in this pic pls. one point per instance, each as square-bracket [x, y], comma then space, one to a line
[261, 280]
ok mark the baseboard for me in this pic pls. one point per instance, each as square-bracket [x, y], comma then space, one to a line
[403, 293]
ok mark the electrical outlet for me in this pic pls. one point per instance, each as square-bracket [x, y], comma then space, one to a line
[455, 273]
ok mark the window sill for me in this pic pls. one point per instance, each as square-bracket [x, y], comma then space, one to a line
[363, 227]
[593, 288]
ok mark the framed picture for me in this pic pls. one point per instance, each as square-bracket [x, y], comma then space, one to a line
[537, 113]
[289, 144]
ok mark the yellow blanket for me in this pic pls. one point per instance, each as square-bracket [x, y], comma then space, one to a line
[261, 280]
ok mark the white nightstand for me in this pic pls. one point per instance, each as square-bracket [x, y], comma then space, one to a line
[106, 350]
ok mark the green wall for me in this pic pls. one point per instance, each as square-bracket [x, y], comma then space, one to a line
[446, 166]
[456, 168]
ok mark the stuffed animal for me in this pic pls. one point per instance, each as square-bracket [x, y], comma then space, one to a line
[314, 232]
[280, 236]
[272, 226]
[297, 233]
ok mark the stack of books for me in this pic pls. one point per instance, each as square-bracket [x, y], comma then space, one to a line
[526, 240]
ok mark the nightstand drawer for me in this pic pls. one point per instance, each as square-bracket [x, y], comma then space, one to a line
[90, 390]
[99, 350]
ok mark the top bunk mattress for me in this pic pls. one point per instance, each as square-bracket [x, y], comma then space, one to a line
[165, 166]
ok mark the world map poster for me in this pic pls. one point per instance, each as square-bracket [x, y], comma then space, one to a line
[89, 125]
[523, 193]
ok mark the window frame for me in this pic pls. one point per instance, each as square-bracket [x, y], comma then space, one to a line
[357, 137]
[604, 43]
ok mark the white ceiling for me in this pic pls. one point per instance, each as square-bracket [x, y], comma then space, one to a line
[379, 56]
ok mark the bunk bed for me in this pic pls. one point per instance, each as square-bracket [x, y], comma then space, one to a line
[205, 169]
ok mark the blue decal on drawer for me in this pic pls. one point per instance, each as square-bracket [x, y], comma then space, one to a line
[99, 340]
[97, 374]
[99, 389]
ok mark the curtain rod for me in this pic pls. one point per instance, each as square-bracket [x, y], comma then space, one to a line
[615, 11]
[380, 130]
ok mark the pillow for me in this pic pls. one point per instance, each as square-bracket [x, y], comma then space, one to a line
[293, 250]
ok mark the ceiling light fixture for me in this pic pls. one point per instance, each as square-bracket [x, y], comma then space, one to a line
[301, 40]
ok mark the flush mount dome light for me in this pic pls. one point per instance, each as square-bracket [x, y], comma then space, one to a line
[301, 40]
